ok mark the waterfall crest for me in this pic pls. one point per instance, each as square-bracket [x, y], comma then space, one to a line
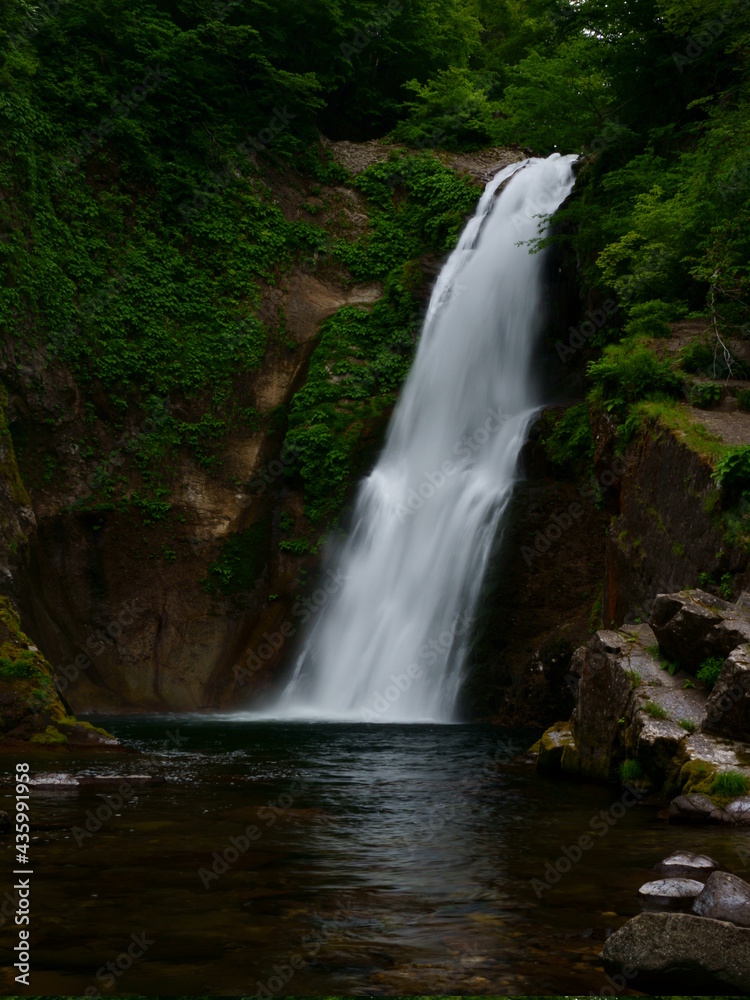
[391, 643]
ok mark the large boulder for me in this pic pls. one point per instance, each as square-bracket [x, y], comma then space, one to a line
[680, 953]
[692, 625]
[728, 707]
[725, 897]
[693, 808]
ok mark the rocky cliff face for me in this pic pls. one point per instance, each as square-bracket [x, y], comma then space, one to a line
[194, 606]
[116, 602]
[665, 534]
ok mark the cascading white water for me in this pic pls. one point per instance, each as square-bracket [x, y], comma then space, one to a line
[391, 643]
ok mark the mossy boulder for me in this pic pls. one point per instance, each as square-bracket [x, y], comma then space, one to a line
[552, 746]
[31, 709]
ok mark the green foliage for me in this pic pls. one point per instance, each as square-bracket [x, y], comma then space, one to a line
[704, 395]
[634, 677]
[629, 372]
[428, 219]
[286, 521]
[241, 561]
[362, 357]
[650, 319]
[50, 737]
[453, 110]
[743, 400]
[732, 471]
[670, 666]
[21, 667]
[698, 356]
[152, 509]
[688, 725]
[630, 770]
[571, 440]
[730, 784]
[138, 258]
[655, 711]
[297, 546]
[661, 205]
[559, 101]
[710, 670]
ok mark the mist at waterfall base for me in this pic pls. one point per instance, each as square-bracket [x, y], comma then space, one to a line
[392, 641]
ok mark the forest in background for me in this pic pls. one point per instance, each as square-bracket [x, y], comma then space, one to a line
[137, 228]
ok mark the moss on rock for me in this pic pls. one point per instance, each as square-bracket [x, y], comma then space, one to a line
[552, 746]
[30, 706]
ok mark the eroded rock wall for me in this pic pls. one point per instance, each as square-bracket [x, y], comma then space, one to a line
[663, 535]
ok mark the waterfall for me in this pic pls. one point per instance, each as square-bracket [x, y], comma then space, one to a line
[391, 643]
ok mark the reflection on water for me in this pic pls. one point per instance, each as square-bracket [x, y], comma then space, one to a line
[330, 859]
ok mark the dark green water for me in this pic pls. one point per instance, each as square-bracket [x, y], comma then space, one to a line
[383, 860]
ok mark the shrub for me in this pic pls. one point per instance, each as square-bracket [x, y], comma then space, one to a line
[704, 395]
[627, 373]
[710, 670]
[730, 784]
[743, 399]
[697, 357]
[651, 319]
[571, 438]
[733, 470]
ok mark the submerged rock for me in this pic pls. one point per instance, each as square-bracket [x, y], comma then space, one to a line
[60, 780]
[725, 897]
[680, 952]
